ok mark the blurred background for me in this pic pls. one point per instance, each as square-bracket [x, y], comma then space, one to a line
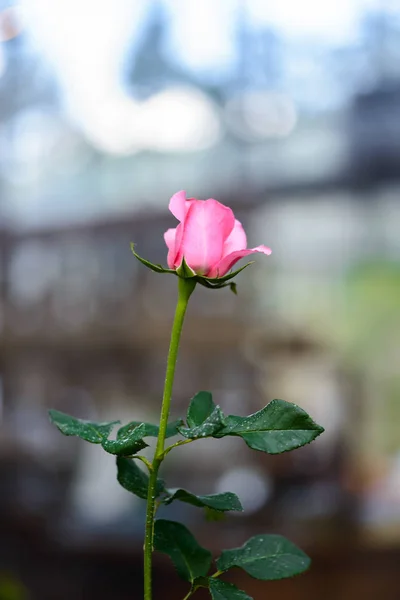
[288, 112]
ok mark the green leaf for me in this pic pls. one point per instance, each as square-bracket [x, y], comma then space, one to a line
[172, 428]
[127, 444]
[203, 417]
[150, 265]
[210, 426]
[134, 479]
[279, 427]
[200, 408]
[150, 430]
[190, 559]
[221, 502]
[97, 433]
[266, 557]
[89, 431]
[221, 590]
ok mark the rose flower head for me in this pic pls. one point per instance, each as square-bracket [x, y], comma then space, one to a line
[208, 237]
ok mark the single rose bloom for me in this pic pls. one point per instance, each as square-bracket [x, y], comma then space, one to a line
[208, 237]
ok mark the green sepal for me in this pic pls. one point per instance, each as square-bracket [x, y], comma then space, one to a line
[150, 430]
[216, 283]
[220, 502]
[209, 286]
[266, 557]
[134, 479]
[185, 271]
[221, 590]
[150, 265]
[278, 427]
[92, 432]
[190, 559]
[228, 277]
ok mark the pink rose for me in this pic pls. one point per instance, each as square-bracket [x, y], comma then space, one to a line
[208, 236]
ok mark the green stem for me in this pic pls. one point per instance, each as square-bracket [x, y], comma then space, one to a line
[190, 593]
[180, 443]
[217, 574]
[145, 461]
[185, 289]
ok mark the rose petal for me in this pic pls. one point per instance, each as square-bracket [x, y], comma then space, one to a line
[169, 237]
[223, 214]
[236, 240]
[178, 246]
[227, 262]
[177, 205]
[207, 224]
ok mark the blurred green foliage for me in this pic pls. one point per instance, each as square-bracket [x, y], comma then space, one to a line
[11, 588]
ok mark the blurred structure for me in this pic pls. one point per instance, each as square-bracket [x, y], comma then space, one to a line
[291, 118]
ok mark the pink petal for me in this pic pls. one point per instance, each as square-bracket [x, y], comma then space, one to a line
[236, 240]
[177, 205]
[207, 225]
[178, 245]
[169, 237]
[223, 214]
[227, 262]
